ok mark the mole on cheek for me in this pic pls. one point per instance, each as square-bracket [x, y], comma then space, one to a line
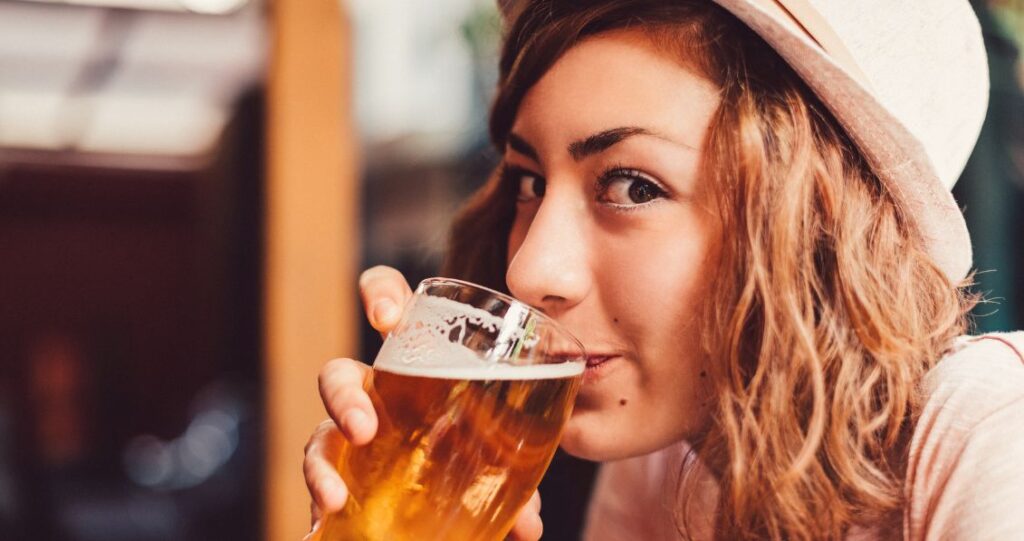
[622, 401]
[615, 319]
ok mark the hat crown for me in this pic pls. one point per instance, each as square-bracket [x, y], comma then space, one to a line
[925, 62]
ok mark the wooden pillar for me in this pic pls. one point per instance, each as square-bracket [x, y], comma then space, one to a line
[311, 239]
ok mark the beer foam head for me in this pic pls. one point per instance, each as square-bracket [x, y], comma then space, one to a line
[496, 371]
[433, 337]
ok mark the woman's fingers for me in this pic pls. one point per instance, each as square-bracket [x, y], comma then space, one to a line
[352, 418]
[325, 485]
[384, 291]
[314, 514]
[341, 389]
[314, 534]
[528, 526]
[534, 503]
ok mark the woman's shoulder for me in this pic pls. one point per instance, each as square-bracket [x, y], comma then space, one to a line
[980, 375]
[965, 475]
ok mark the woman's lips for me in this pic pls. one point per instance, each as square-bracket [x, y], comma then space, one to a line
[597, 367]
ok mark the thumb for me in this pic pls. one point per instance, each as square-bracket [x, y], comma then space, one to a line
[384, 292]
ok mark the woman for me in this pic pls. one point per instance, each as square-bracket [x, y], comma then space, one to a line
[742, 210]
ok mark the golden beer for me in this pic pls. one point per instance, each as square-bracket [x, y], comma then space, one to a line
[457, 453]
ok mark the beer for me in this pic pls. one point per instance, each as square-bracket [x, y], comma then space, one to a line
[459, 450]
[472, 389]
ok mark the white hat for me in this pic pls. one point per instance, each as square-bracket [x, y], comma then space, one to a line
[908, 80]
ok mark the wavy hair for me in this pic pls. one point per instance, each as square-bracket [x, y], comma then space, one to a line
[826, 311]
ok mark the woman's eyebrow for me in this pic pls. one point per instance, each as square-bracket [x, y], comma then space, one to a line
[520, 145]
[594, 144]
[600, 142]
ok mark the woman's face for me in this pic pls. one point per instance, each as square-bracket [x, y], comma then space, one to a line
[613, 238]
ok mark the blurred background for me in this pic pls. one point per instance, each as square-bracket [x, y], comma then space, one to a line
[188, 189]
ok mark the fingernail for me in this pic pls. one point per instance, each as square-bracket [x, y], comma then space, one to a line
[385, 311]
[354, 421]
[312, 532]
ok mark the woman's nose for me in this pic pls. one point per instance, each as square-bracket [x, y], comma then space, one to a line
[550, 270]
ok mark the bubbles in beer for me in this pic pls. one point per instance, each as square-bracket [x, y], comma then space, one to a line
[453, 458]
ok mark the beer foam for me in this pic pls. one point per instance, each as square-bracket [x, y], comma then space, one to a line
[429, 341]
[495, 371]
[446, 314]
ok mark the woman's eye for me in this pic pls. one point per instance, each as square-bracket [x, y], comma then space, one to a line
[628, 188]
[531, 186]
[527, 184]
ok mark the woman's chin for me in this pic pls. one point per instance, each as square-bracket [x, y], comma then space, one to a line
[581, 449]
[604, 435]
[584, 439]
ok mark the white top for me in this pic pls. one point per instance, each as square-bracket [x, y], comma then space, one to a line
[965, 478]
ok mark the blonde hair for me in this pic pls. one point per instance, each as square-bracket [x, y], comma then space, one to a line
[825, 312]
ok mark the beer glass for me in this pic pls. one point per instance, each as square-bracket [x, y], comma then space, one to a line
[472, 390]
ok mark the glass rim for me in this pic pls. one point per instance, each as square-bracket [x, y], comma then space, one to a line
[515, 302]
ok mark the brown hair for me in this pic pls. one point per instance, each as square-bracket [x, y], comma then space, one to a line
[826, 311]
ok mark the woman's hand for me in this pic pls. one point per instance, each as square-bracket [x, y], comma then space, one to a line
[384, 291]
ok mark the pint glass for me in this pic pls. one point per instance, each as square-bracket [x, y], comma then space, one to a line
[472, 390]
